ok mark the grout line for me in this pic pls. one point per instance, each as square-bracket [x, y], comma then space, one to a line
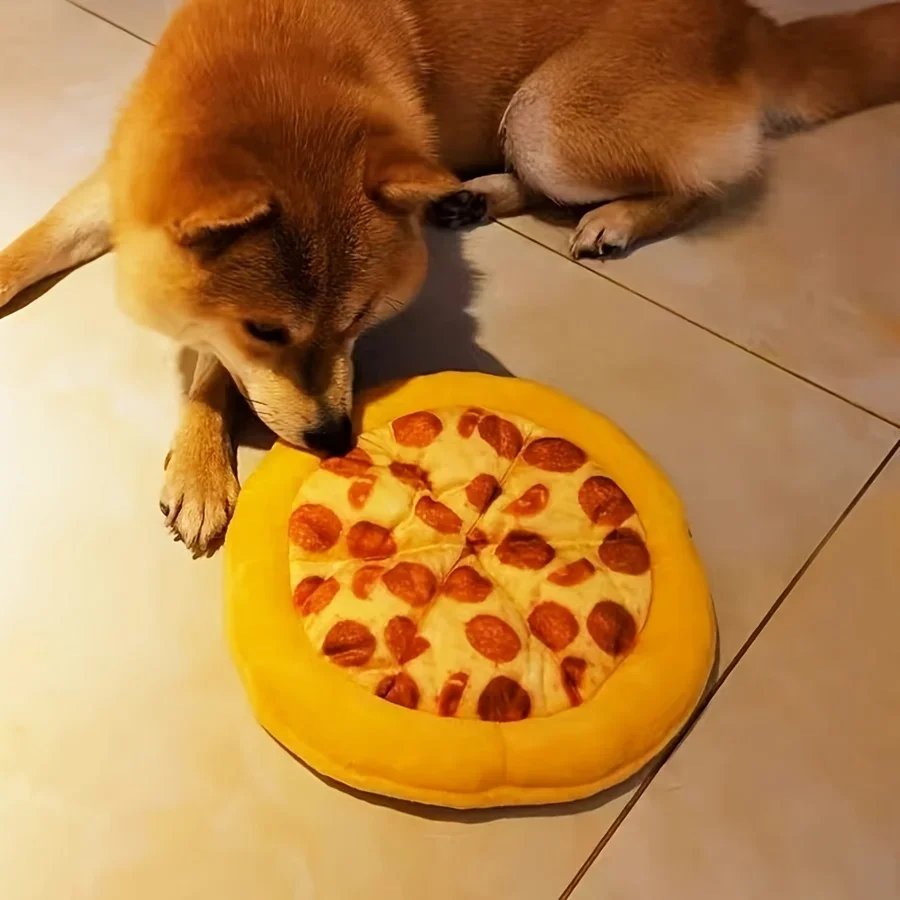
[702, 327]
[115, 25]
[664, 757]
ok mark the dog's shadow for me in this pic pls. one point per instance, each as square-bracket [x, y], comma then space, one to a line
[436, 332]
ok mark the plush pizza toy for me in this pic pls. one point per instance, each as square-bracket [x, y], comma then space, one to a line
[493, 599]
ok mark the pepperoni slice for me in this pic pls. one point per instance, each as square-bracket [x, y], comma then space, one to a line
[438, 516]
[359, 492]
[314, 527]
[417, 429]
[533, 501]
[525, 550]
[399, 689]
[467, 586]
[411, 582]
[364, 580]
[415, 476]
[502, 435]
[623, 550]
[553, 625]
[366, 540]
[305, 590]
[493, 638]
[451, 693]
[468, 421]
[313, 594]
[476, 540]
[504, 700]
[357, 462]
[604, 502]
[403, 640]
[349, 643]
[482, 490]
[572, 574]
[572, 671]
[612, 627]
[554, 455]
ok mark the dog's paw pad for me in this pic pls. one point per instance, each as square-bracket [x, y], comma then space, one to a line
[459, 210]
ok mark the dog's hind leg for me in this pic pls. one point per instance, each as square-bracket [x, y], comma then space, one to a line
[75, 231]
[651, 110]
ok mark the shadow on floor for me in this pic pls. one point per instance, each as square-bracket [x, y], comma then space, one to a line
[436, 332]
[474, 816]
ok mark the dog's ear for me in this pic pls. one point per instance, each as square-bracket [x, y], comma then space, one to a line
[401, 177]
[214, 200]
[222, 218]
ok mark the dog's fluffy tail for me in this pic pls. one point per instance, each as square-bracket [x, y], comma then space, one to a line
[828, 66]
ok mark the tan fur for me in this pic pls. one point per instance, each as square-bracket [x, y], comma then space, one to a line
[266, 180]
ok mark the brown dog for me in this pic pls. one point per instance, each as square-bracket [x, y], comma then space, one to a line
[265, 183]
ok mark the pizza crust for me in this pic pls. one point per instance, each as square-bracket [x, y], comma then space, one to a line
[353, 735]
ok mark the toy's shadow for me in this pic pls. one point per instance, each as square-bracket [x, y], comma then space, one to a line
[436, 332]
[634, 785]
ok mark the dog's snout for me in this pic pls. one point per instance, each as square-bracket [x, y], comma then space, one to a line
[334, 437]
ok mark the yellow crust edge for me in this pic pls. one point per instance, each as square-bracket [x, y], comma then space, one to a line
[313, 709]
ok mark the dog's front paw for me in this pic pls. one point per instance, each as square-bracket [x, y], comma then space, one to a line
[199, 492]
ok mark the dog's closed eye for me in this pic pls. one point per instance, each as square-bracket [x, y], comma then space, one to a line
[267, 333]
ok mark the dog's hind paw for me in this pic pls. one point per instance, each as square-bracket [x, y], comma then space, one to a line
[601, 234]
[199, 492]
[459, 210]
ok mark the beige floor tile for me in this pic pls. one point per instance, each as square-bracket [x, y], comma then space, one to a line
[734, 433]
[789, 786]
[130, 743]
[144, 18]
[807, 275]
[130, 765]
[64, 75]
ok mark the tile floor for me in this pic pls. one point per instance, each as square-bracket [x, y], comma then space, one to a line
[756, 358]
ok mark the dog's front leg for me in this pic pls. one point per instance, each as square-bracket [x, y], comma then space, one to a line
[201, 486]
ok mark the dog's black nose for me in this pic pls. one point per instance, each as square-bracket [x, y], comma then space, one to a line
[334, 437]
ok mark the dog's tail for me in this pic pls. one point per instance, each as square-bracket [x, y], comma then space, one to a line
[828, 66]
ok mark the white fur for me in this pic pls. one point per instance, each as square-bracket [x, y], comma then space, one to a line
[529, 139]
[75, 231]
[715, 159]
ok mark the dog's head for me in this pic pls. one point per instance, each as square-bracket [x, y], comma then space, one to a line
[277, 261]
